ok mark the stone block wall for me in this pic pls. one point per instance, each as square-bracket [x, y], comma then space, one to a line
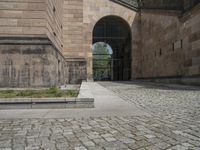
[190, 35]
[31, 42]
[24, 17]
[32, 18]
[73, 29]
[162, 40]
[170, 43]
[136, 66]
[93, 12]
[76, 71]
[30, 62]
[160, 57]
[80, 17]
[54, 22]
[164, 43]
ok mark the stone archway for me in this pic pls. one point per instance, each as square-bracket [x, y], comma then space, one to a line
[116, 32]
[95, 11]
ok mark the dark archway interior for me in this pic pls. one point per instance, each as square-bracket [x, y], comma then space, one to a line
[115, 32]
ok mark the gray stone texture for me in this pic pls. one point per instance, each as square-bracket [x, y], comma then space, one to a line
[31, 62]
[76, 70]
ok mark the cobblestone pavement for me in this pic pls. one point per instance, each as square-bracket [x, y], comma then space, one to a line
[166, 101]
[164, 129]
[110, 133]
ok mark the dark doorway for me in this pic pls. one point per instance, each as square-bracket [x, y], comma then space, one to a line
[115, 33]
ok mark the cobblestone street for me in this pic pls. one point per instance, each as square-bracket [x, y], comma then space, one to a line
[173, 123]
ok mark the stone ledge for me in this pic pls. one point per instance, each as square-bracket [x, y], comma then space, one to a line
[45, 103]
[25, 40]
[44, 100]
[85, 92]
[84, 99]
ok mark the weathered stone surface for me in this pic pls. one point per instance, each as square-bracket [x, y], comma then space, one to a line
[31, 64]
[76, 70]
[169, 44]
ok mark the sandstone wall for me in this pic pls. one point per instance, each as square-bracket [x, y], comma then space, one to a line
[93, 12]
[164, 43]
[159, 32]
[73, 29]
[32, 18]
[170, 43]
[190, 35]
[22, 18]
[136, 66]
[80, 17]
[54, 22]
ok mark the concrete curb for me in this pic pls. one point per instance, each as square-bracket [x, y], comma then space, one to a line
[46, 103]
[44, 100]
[85, 92]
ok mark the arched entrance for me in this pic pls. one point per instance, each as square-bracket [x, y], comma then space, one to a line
[114, 32]
[102, 61]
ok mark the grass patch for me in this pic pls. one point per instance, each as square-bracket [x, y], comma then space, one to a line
[52, 92]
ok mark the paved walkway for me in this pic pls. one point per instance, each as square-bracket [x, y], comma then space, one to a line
[150, 117]
[107, 103]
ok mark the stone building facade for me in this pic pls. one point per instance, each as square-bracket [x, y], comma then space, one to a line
[49, 42]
